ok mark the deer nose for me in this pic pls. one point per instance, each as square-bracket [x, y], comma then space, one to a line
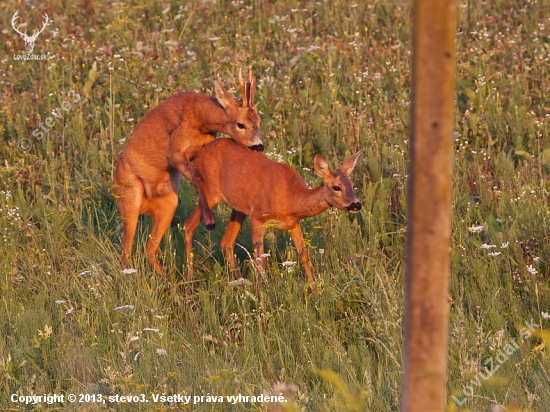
[259, 147]
[354, 207]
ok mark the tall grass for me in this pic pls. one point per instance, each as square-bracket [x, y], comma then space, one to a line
[334, 77]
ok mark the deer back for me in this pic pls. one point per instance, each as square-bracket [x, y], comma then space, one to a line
[246, 180]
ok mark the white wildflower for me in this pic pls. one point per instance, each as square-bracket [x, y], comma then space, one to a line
[500, 336]
[545, 315]
[240, 281]
[494, 253]
[129, 271]
[486, 246]
[161, 352]
[288, 263]
[475, 229]
[124, 307]
[531, 270]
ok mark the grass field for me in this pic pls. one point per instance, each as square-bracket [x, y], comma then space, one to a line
[333, 78]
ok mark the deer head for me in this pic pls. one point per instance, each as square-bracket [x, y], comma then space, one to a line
[29, 40]
[338, 188]
[244, 121]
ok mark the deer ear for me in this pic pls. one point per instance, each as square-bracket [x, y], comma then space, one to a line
[348, 166]
[321, 167]
[222, 96]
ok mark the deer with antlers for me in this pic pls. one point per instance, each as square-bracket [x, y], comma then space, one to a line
[161, 149]
[29, 40]
[272, 194]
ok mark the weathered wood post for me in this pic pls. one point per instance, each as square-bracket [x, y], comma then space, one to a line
[429, 206]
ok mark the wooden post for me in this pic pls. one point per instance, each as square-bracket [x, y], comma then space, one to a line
[429, 206]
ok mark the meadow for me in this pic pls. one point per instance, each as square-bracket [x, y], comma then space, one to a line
[333, 78]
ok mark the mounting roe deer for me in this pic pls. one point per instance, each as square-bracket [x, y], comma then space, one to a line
[272, 194]
[161, 148]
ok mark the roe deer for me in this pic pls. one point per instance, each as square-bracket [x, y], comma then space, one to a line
[272, 194]
[161, 148]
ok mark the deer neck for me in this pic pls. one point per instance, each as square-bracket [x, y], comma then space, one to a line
[310, 202]
[215, 119]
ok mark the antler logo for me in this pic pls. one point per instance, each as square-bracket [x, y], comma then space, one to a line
[29, 40]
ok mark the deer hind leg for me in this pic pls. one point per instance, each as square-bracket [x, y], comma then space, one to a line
[228, 240]
[162, 210]
[130, 199]
[298, 239]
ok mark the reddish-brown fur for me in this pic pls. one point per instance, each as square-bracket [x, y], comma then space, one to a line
[161, 148]
[272, 194]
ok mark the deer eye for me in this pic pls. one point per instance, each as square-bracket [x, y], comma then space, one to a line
[240, 126]
[336, 188]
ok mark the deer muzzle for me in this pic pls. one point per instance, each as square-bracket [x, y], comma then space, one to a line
[258, 147]
[354, 207]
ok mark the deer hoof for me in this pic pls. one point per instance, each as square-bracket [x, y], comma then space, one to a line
[211, 226]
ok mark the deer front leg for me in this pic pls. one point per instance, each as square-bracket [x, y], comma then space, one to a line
[185, 167]
[228, 240]
[189, 227]
[298, 239]
[258, 244]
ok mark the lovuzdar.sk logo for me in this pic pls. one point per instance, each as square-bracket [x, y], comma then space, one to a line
[29, 40]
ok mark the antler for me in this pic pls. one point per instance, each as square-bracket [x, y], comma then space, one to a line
[249, 89]
[13, 19]
[243, 89]
[37, 32]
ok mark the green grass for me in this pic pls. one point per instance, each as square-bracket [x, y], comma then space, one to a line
[333, 78]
